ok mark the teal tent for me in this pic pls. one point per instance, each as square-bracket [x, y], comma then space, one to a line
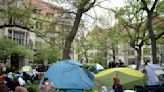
[96, 68]
[69, 75]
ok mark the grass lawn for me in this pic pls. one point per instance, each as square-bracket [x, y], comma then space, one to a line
[34, 86]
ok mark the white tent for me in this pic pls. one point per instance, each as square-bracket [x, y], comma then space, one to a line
[153, 73]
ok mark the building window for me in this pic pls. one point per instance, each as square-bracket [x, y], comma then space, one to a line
[146, 51]
[10, 33]
[131, 61]
[18, 36]
[131, 52]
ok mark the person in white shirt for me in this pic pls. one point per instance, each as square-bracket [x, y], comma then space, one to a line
[21, 81]
[103, 89]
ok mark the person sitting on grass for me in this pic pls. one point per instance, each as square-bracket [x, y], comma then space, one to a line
[46, 86]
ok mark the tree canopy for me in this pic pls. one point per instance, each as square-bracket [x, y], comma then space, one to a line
[8, 47]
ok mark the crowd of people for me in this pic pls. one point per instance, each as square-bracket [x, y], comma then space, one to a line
[16, 81]
[113, 64]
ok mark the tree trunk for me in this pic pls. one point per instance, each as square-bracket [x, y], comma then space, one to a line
[113, 53]
[139, 51]
[152, 36]
[70, 37]
[85, 53]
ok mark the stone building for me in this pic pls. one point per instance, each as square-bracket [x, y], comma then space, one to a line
[22, 36]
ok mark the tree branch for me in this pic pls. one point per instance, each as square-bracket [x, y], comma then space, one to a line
[30, 29]
[159, 36]
[154, 5]
[14, 25]
[106, 8]
[145, 5]
[89, 7]
[136, 13]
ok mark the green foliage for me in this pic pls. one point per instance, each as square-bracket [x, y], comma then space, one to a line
[34, 86]
[133, 20]
[99, 59]
[158, 27]
[115, 35]
[98, 38]
[8, 47]
[160, 7]
[46, 53]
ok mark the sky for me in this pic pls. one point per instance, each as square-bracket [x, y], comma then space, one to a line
[105, 18]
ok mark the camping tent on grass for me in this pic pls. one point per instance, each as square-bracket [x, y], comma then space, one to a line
[128, 78]
[155, 74]
[96, 68]
[69, 74]
[26, 69]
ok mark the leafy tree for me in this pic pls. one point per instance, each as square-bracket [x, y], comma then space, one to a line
[81, 6]
[132, 17]
[82, 45]
[151, 12]
[115, 36]
[158, 26]
[97, 42]
[45, 27]
[46, 53]
[134, 24]
[8, 47]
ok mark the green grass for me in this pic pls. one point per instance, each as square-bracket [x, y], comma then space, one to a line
[34, 85]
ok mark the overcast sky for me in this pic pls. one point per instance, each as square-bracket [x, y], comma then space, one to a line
[106, 16]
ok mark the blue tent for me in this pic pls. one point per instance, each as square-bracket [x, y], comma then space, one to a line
[69, 74]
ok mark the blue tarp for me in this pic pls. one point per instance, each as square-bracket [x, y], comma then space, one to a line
[69, 74]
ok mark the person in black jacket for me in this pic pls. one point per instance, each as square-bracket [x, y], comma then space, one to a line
[117, 87]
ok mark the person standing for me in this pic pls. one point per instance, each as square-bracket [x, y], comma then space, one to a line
[117, 87]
